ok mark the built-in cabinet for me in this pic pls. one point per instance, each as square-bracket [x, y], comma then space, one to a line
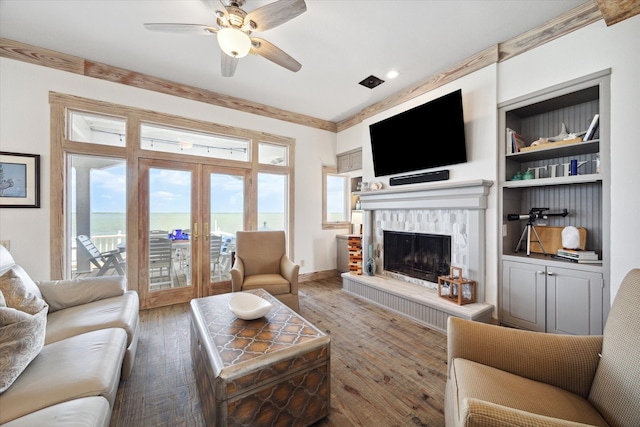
[539, 292]
[549, 298]
[350, 160]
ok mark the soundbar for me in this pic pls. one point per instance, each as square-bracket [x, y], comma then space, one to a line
[442, 175]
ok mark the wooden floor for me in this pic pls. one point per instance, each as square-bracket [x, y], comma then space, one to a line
[386, 370]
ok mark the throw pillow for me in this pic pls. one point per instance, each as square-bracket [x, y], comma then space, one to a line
[17, 294]
[23, 325]
[21, 339]
[61, 294]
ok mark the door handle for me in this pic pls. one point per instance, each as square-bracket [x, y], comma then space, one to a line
[195, 230]
[206, 231]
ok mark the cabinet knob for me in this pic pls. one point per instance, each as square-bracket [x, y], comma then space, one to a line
[550, 273]
[539, 272]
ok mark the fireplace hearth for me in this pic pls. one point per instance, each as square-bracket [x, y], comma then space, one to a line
[419, 255]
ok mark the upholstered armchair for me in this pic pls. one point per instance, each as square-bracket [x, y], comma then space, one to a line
[261, 262]
[508, 377]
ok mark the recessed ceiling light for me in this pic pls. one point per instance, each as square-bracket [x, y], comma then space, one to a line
[392, 74]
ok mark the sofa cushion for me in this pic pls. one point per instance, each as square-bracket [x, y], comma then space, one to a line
[275, 283]
[84, 412]
[115, 312]
[472, 383]
[81, 366]
[60, 294]
[23, 321]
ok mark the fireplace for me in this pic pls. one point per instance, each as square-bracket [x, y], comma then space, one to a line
[420, 255]
[451, 212]
[455, 209]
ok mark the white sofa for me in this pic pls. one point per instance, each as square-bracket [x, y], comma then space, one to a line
[88, 346]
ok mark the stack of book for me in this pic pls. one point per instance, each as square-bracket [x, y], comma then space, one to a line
[574, 255]
[515, 142]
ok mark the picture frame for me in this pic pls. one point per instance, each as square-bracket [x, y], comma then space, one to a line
[19, 180]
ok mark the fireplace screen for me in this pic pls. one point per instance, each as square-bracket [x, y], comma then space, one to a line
[423, 256]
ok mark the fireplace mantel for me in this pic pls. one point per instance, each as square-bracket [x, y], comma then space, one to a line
[440, 195]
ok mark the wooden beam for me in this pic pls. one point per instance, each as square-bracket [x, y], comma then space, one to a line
[615, 11]
[574, 19]
[39, 56]
[60, 61]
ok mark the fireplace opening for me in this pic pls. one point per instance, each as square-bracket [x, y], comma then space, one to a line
[419, 255]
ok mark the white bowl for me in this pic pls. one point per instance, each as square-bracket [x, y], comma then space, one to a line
[248, 306]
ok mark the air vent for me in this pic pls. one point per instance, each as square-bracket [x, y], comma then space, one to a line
[371, 82]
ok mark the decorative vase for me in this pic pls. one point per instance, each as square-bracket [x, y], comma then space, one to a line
[370, 266]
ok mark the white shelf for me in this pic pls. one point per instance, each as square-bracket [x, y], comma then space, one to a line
[559, 180]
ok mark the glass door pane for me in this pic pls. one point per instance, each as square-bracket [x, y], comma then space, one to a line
[98, 220]
[226, 217]
[169, 229]
[168, 232]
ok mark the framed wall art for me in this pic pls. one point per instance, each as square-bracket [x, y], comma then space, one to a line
[19, 180]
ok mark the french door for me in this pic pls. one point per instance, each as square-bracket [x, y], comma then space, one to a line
[189, 214]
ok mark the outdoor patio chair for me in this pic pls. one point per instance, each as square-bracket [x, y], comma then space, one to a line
[215, 247]
[104, 261]
[160, 261]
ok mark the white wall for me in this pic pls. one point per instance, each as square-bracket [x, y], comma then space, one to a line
[25, 128]
[590, 49]
[480, 117]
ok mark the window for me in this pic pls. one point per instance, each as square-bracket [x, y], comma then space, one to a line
[272, 154]
[193, 143]
[97, 129]
[103, 156]
[335, 212]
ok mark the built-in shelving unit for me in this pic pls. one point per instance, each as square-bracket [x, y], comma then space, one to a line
[536, 291]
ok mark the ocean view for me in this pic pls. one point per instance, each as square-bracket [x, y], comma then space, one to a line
[112, 223]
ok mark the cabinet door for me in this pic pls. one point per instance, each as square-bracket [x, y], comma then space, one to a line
[350, 161]
[574, 301]
[523, 295]
[344, 163]
[356, 160]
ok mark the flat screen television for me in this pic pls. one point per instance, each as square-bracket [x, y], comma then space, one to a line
[427, 136]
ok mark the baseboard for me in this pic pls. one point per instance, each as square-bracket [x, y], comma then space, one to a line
[318, 275]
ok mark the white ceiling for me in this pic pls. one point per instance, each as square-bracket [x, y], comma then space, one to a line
[338, 42]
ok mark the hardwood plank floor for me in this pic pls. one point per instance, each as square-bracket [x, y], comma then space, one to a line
[386, 370]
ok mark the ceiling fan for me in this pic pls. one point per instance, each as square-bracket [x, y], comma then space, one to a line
[234, 27]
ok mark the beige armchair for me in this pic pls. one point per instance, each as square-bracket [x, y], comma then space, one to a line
[262, 262]
[508, 377]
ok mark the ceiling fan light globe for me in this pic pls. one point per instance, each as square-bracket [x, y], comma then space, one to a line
[234, 42]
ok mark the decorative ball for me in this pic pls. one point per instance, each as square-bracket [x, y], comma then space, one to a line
[570, 238]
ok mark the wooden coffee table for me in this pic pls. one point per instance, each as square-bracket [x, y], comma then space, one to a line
[272, 371]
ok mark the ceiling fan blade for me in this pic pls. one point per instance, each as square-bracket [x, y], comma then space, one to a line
[228, 64]
[274, 54]
[204, 30]
[274, 14]
[216, 6]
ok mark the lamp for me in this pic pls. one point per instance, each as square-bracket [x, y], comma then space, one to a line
[356, 221]
[234, 42]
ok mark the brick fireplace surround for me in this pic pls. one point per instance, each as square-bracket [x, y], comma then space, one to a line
[452, 208]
